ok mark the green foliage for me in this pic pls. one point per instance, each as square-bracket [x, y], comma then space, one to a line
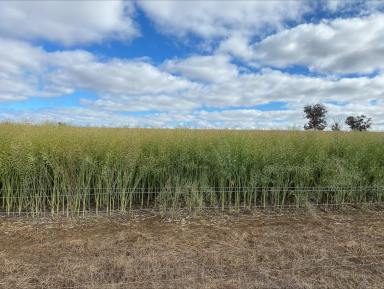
[66, 170]
[316, 117]
[359, 123]
[336, 126]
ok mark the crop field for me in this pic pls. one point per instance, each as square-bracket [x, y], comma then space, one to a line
[72, 170]
[150, 208]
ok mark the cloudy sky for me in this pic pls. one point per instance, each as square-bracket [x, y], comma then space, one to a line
[199, 64]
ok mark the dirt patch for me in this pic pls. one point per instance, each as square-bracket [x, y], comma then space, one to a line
[206, 250]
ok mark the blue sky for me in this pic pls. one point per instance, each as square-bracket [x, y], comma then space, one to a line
[198, 64]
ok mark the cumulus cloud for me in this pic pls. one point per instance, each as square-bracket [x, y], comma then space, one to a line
[118, 76]
[352, 45]
[235, 119]
[66, 23]
[19, 69]
[24, 70]
[237, 45]
[212, 68]
[250, 90]
[235, 101]
[198, 91]
[32, 71]
[210, 19]
[231, 118]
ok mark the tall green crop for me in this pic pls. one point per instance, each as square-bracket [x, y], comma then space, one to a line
[66, 170]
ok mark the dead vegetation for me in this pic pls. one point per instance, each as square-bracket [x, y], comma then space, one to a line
[208, 250]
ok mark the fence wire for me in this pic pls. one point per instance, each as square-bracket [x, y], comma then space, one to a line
[202, 188]
[82, 192]
[87, 200]
[117, 212]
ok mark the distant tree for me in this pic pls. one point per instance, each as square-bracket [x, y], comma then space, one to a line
[316, 117]
[359, 123]
[336, 126]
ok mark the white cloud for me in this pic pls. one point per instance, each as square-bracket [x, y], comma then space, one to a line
[212, 68]
[17, 69]
[248, 90]
[118, 76]
[25, 71]
[32, 71]
[210, 19]
[136, 85]
[353, 45]
[17, 54]
[238, 46]
[234, 119]
[67, 22]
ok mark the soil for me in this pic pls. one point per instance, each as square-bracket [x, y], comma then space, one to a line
[317, 249]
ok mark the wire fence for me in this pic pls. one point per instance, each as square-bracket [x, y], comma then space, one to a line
[37, 194]
[116, 212]
[198, 188]
[88, 200]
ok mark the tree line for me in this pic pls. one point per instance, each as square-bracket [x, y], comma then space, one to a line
[316, 115]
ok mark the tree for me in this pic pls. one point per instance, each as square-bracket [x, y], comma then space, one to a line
[316, 117]
[359, 122]
[336, 126]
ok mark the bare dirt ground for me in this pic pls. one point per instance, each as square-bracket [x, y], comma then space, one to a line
[343, 249]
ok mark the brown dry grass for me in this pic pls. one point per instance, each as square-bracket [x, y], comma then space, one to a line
[208, 250]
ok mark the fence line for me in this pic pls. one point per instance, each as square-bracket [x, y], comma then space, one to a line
[263, 190]
[215, 188]
[39, 201]
[71, 212]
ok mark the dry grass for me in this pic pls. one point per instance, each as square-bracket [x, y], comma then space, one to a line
[209, 250]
